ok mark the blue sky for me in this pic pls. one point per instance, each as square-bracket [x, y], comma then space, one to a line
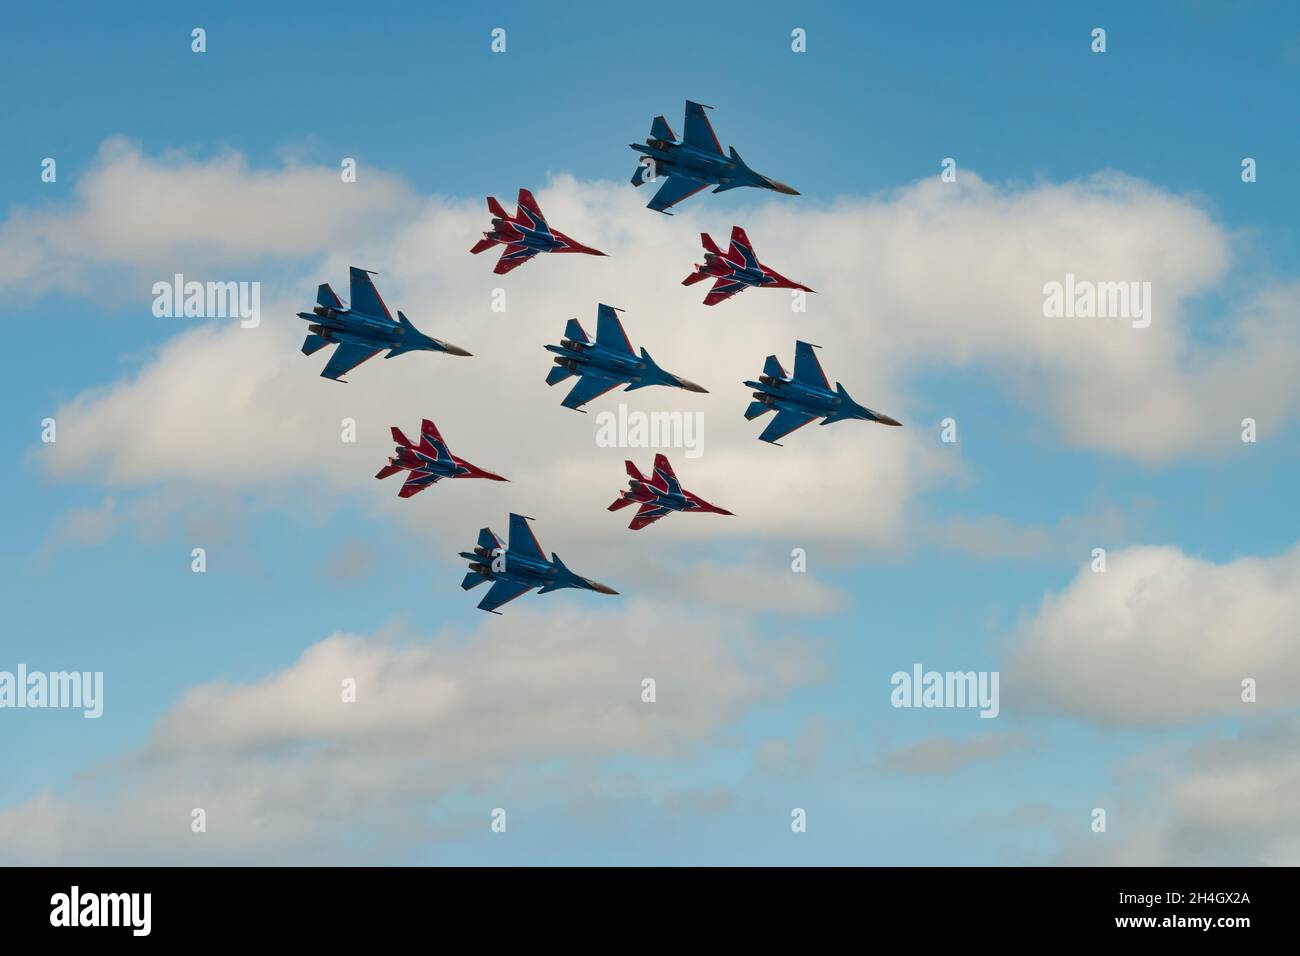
[1183, 93]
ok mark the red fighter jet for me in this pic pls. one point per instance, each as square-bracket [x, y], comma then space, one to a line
[525, 234]
[659, 495]
[736, 269]
[428, 462]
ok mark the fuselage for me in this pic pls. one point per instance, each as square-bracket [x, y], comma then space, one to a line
[797, 396]
[508, 231]
[414, 460]
[518, 568]
[678, 159]
[724, 268]
[640, 491]
[346, 325]
[595, 361]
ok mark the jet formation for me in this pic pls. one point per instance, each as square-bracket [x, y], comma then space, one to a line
[362, 330]
[693, 163]
[365, 327]
[659, 495]
[606, 363]
[798, 399]
[428, 462]
[735, 270]
[518, 567]
[525, 234]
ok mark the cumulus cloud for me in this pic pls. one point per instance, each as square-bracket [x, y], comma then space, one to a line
[287, 771]
[1225, 801]
[993, 536]
[156, 215]
[935, 275]
[1162, 637]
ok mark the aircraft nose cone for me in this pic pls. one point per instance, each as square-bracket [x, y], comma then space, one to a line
[886, 420]
[454, 350]
[602, 588]
[691, 386]
[783, 188]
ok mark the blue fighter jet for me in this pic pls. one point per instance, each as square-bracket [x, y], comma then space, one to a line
[606, 363]
[798, 399]
[518, 567]
[363, 330]
[694, 163]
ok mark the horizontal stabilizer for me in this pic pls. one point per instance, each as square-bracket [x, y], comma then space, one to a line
[621, 503]
[325, 296]
[755, 409]
[314, 343]
[574, 332]
[557, 375]
[772, 368]
[389, 470]
[472, 580]
[483, 245]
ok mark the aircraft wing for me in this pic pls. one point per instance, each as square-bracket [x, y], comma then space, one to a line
[512, 257]
[417, 483]
[431, 440]
[528, 205]
[364, 296]
[699, 131]
[806, 367]
[502, 592]
[664, 473]
[649, 513]
[673, 191]
[587, 388]
[783, 424]
[522, 539]
[743, 248]
[723, 290]
[609, 332]
[347, 357]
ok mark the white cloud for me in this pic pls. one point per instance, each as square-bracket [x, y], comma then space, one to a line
[288, 772]
[1226, 801]
[1162, 637]
[154, 216]
[935, 275]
